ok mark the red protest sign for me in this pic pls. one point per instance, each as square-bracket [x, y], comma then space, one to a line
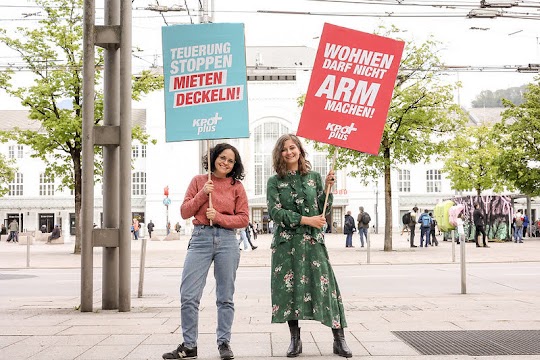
[350, 89]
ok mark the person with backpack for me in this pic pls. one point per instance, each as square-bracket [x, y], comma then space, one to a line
[433, 239]
[363, 225]
[410, 219]
[425, 227]
[348, 229]
[405, 222]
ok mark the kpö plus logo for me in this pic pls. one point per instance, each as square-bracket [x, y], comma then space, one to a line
[339, 131]
[206, 125]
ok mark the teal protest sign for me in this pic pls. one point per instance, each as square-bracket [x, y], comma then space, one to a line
[204, 67]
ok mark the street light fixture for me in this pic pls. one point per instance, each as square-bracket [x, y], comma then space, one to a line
[164, 8]
[484, 13]
[498, 4]
[532, 68]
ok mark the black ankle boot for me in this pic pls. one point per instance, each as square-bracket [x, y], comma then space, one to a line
[340, 346]
[295, 348]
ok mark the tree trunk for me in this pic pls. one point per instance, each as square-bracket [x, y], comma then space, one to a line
[78, 200]
[387, 200]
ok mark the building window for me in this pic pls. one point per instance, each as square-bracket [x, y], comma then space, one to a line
[46, 185]
[264, 139]
[143, 151]
[337, 219]
[134, 151]
[271, 77]
[319, 164]
[404, 180]
[15, 151]
[433, 181]
[16, 187]
[138, 183]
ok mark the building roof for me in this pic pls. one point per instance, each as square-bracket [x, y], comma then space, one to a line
[280, 57]
[274, 59]
[10, 119]
[487, 116]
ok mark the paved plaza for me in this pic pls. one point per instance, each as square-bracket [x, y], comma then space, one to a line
[399, 293]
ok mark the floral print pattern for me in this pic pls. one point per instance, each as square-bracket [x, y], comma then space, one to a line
[303, 283]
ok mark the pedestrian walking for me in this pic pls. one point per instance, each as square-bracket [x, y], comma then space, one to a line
[348, 229]
[363, 225]
[478, 220]
[136, 227]
[425, 227]
[248, 235]
[410, 218]
[13, 228]
[433, 239]
[518, 226]
[150, 228]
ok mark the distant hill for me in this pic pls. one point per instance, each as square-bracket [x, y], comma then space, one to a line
[490, 99]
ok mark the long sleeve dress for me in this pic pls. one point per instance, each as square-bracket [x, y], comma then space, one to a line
[303, 283]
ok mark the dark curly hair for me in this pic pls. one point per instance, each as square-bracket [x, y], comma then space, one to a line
[279, 164]
[237, 172]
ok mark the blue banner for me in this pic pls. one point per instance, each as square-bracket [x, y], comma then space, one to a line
[204, 68]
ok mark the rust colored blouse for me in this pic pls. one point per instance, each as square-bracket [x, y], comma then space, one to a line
[230, 202]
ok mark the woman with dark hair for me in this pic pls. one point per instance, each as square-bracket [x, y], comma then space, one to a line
[213, 240]
[303, 284]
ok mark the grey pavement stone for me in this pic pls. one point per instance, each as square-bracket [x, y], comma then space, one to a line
[11, 339]
[393, 348]
[60, 352]
[35, 326]
[106, 352]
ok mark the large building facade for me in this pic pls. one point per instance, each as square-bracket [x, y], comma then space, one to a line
[277, 77]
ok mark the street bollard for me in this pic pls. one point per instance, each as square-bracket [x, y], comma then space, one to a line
[453, 247]
[141, 267]
[368, 244]
[463, 270]
[28, 251]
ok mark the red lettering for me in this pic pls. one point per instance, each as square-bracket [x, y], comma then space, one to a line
[191, 81]
[203, 96]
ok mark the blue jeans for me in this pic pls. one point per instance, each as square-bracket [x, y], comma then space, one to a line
[363, 232]
[207, 245]
[348, 240]
[244, 239]
[424, 233]
[518, 233]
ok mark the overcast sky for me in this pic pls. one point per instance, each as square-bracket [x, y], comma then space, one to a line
[465, 42]
[480, 43]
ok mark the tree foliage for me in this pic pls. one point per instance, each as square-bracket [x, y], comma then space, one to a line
[469, 160]
[53, 53]
[490, 99]
[7, 174]
[519, 139]
[421, 114]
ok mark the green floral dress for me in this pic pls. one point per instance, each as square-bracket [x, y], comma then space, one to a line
[303, 283]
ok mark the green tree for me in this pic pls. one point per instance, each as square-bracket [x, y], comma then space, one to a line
[421, 114]
[7, 174]
[469, 160]
[519, 139]
[490, 99]
[53, 53]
